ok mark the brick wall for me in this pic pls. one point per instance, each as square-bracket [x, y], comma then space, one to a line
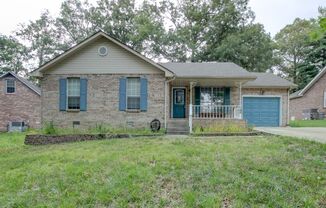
[313, 98]
[23, 105]
[102, 102]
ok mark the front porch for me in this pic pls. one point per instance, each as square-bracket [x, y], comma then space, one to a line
[205, 99]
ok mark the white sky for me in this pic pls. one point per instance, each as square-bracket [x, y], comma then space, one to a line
[274, 14]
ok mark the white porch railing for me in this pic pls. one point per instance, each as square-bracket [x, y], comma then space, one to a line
[216, 111]
[213, 112]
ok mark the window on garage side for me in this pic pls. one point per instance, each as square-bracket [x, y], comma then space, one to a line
[10, 86]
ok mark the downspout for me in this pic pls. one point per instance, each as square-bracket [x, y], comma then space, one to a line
[165, 99]
[288, 119]
[240, 100]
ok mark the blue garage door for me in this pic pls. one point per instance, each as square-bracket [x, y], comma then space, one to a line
[262, 111]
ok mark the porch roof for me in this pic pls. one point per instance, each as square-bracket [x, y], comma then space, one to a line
[208, 70]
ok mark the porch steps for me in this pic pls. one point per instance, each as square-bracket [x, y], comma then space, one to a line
[178, 126]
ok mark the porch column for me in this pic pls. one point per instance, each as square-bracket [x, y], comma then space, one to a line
[192, 84]
[240, 99]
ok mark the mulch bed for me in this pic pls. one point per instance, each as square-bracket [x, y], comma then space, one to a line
[40, 139]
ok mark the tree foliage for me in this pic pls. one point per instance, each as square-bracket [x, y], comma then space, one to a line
[315, 59]
[12, 55]
[251, 48]
[43, 38]
[183, 30]
[292, 45]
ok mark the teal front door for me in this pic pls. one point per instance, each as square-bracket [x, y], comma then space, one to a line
[179, 103]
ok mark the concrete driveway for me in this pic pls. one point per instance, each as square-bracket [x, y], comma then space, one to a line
[310, 133]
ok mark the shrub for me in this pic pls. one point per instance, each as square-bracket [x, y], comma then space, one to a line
[49, 128]
[221, 127]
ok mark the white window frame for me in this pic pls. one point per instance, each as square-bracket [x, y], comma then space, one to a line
[67, 97]
[7, 86]
[128, 78]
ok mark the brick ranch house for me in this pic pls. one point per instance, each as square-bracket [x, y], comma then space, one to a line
[102, 80]
[20, 101]
[313, 96]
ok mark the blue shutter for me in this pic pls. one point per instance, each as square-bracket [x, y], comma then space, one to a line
[63, 94]
[123, 94]
[197, 100]
[197, 95]
[227, 96]
[83, 94]
[143, 94]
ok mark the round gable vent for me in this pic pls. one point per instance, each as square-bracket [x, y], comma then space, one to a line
[102, 51]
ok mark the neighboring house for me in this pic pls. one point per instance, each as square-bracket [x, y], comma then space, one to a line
[313, 96]
[102, 80]
[20, 101]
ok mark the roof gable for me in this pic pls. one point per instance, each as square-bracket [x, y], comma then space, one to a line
[27, 83]
[86, 43]
[300, 93]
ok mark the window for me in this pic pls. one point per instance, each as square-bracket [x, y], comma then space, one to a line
[325, 99]
[211, 97]
[133, 93]
[179, 97]
[10, 86]
[73, 94]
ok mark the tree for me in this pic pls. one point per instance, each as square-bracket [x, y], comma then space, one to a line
[251, 48]
[138, 27]
[199, 27]
[77, 21]
[315, 59]
[292, 44]
[43, 39]
[12, 55]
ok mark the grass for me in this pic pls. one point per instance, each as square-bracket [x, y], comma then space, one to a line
[164, 172]
[308, 123]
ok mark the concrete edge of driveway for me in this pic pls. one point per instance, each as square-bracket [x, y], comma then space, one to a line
[317, 134]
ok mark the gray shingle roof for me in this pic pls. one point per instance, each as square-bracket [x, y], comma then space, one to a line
[24, 81]
[208, 70]
[268, 80]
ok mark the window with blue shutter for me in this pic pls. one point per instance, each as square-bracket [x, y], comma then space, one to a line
[62, 94]
[83, 94]
[123, 94]
[73, 93]
[143, 94]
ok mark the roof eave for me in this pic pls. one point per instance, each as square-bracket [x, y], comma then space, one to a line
[211, 77]
[268, 86]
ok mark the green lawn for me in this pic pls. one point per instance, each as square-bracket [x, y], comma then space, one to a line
[195, 172]
[308, 123]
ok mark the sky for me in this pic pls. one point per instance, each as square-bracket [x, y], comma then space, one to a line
[273, 14]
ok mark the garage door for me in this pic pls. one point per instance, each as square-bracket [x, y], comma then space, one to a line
[262, 111]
